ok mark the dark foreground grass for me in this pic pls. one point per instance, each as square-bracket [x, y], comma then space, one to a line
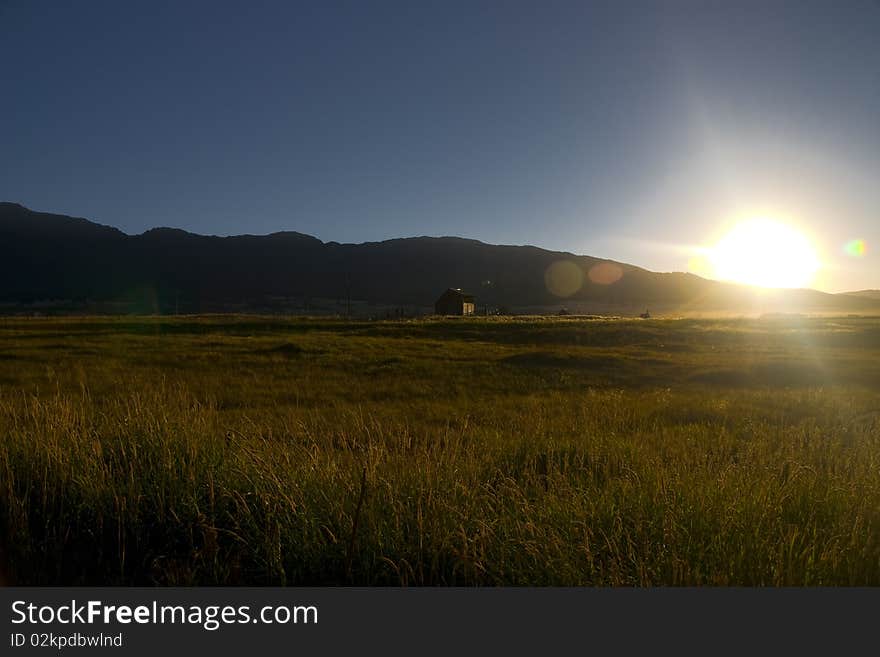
[225, 450]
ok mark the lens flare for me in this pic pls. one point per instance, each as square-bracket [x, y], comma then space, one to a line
[856, 248]
[605, 273]
[563, 278]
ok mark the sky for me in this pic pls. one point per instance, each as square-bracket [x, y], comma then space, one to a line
[639, 131]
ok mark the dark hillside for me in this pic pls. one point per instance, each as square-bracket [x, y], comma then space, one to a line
[48, 257]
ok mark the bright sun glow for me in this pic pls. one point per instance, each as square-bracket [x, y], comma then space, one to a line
[766, 253]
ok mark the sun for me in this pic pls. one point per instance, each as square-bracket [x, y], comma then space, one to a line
[765, 253]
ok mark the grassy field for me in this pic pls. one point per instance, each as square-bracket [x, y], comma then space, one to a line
[498, 451]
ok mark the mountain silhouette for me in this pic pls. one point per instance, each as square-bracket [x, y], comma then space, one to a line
[56, 258]
[866, 294]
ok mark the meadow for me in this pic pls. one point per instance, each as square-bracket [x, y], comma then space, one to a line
[478, 451]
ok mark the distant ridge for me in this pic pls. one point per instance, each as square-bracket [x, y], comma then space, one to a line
[49, 258]
[865, 294]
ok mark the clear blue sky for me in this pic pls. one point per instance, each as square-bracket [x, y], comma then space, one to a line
[629, 130]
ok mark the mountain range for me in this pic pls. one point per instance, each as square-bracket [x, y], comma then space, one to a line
[69, 263]
[865, 294]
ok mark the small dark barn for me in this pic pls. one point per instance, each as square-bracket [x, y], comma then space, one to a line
[454, 302]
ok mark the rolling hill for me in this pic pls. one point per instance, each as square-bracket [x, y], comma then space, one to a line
[67, 262]
[865, 294]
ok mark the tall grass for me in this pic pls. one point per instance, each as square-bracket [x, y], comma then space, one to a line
[262, 452]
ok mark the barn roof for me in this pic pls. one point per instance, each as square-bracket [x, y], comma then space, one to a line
[456, 291]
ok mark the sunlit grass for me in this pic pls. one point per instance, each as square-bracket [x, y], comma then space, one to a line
[236, 450]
